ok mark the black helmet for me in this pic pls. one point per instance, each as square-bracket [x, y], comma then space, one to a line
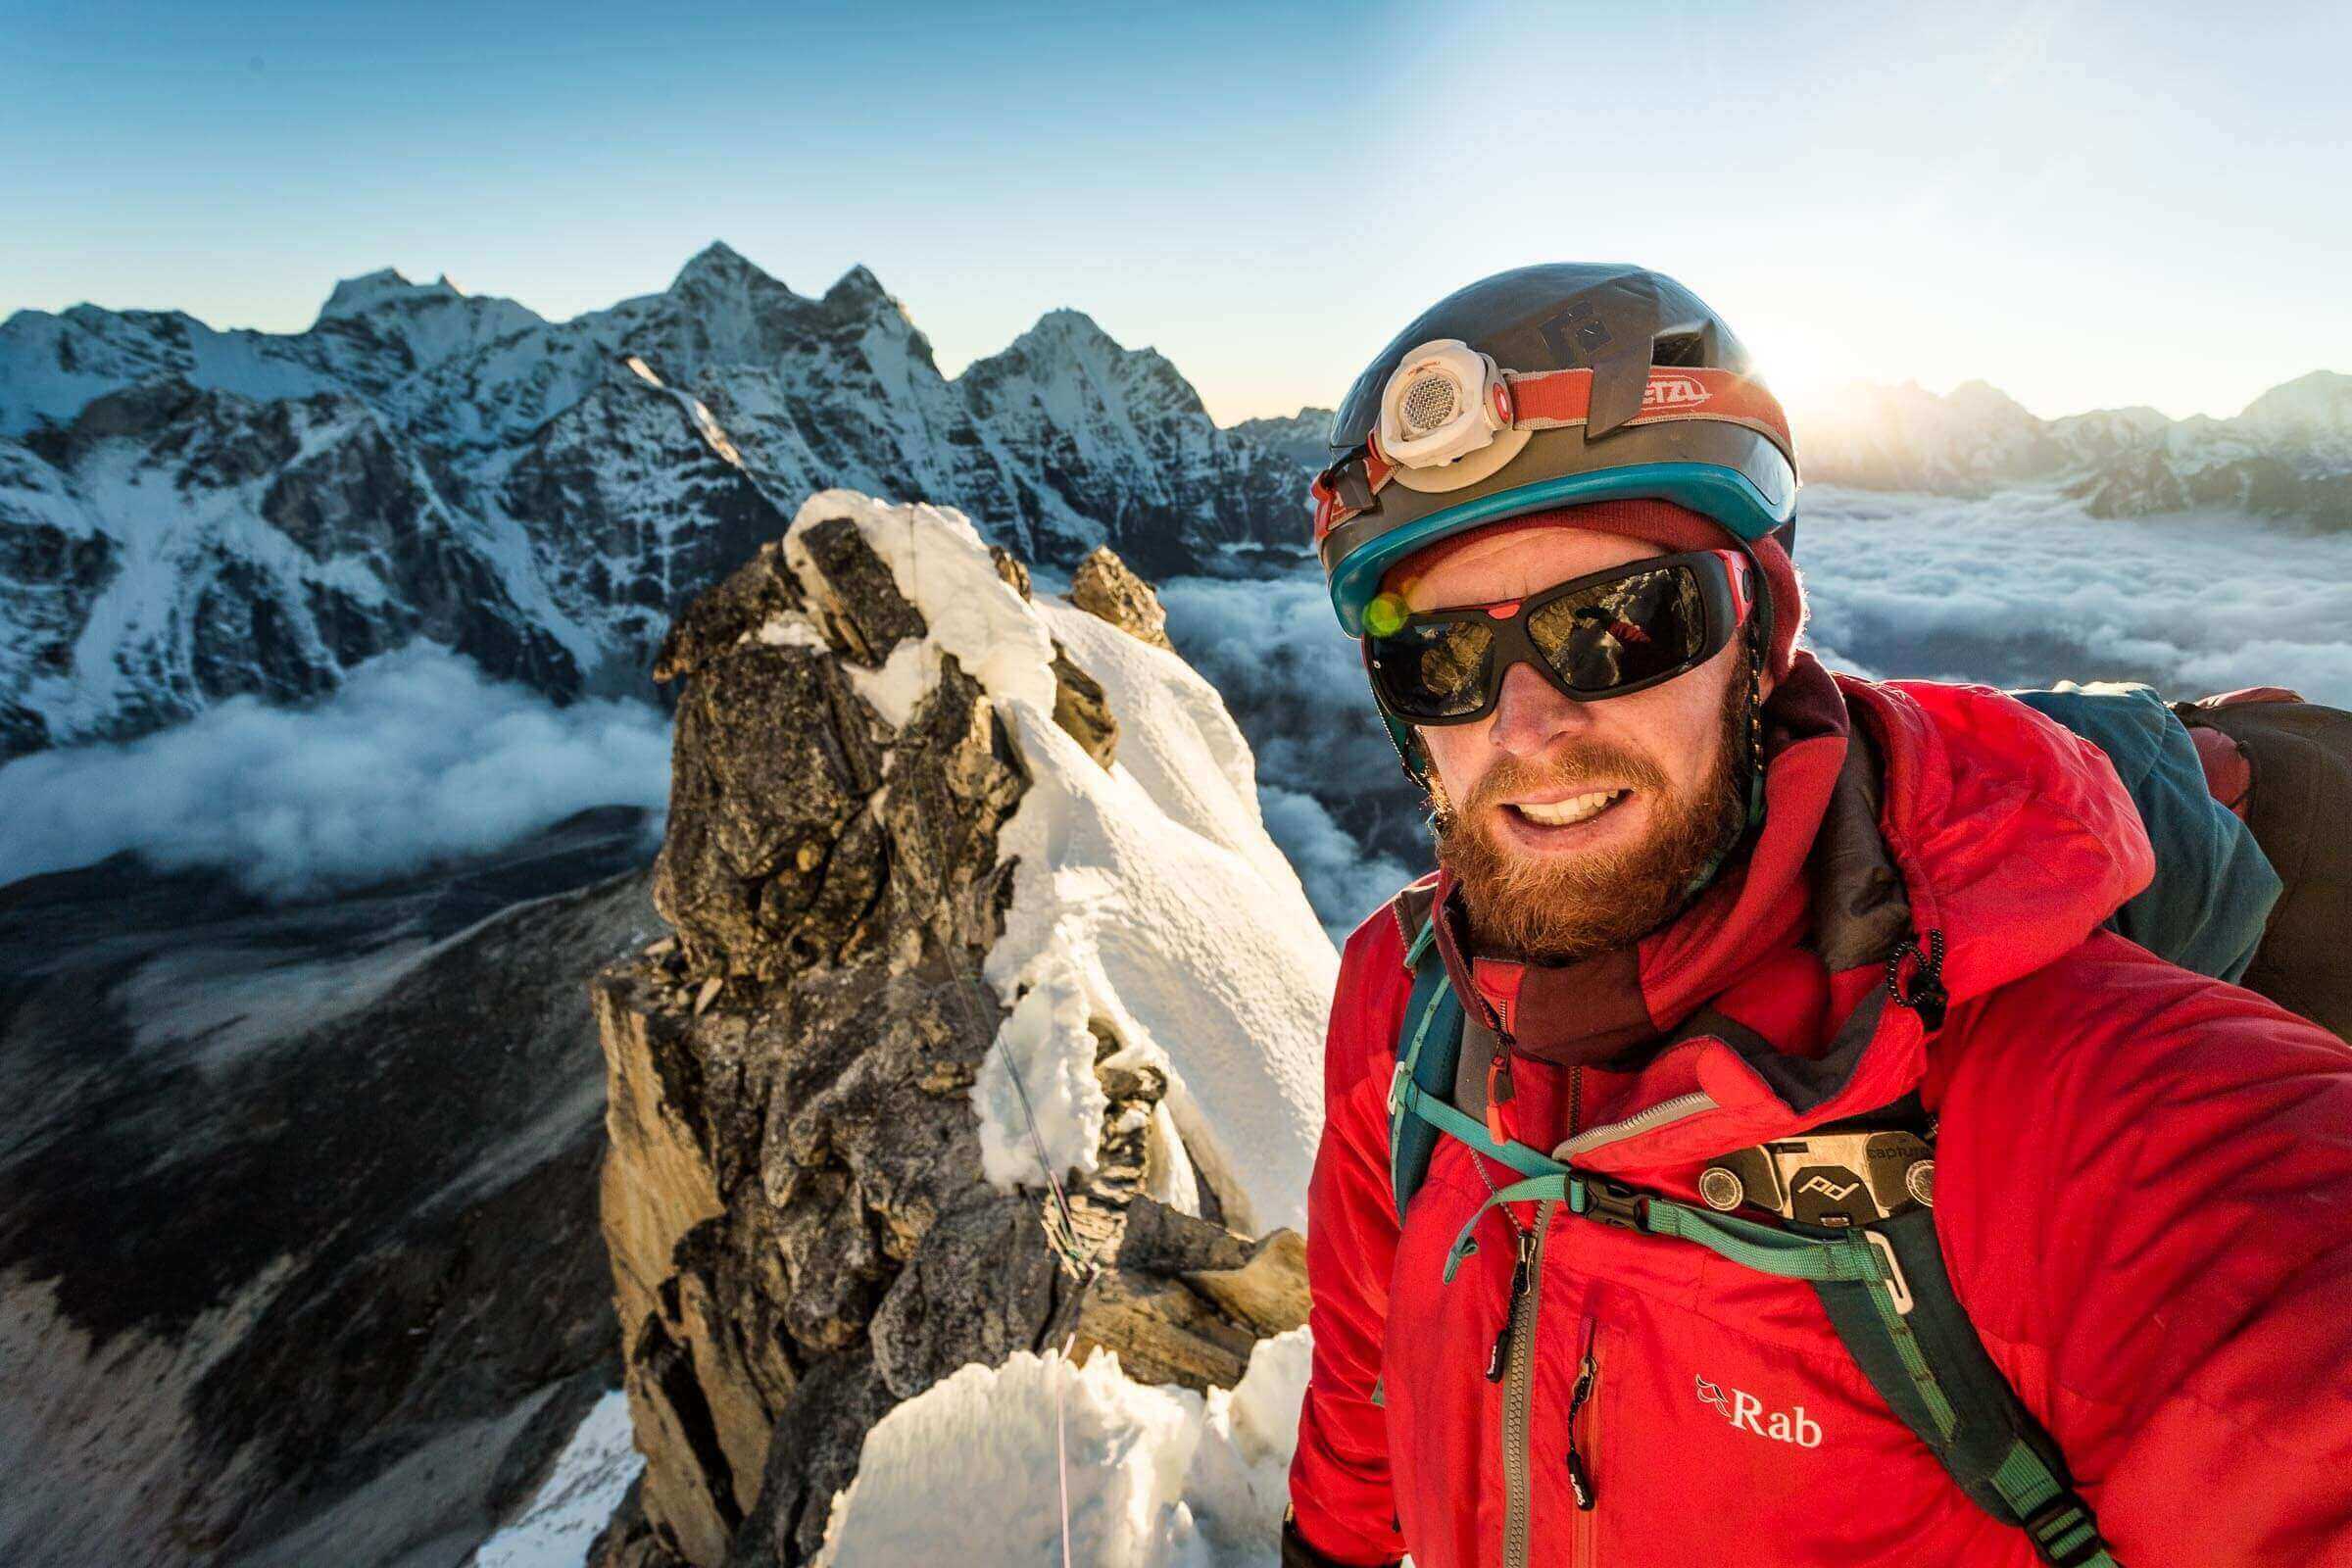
[1547, 386]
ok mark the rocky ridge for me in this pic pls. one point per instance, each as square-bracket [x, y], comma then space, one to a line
[801, 1229]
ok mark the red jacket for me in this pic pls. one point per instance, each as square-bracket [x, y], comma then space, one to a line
[2143, 1195]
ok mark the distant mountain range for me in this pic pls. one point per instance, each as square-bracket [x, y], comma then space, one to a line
[2288, 454]
[188, 514]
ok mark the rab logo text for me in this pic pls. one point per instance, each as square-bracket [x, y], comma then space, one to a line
[1744, 1410]
[1666, 392]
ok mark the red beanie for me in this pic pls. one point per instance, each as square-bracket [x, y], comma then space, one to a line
[1671, 528]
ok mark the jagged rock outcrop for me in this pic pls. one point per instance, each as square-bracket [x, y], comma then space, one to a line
[1104, 586]
[800, 1228]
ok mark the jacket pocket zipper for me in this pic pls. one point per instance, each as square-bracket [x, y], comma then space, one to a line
[1588, 1381]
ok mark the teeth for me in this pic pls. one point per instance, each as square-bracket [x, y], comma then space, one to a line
[1576, 809]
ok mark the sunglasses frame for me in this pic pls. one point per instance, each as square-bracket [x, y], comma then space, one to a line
[1723, 591]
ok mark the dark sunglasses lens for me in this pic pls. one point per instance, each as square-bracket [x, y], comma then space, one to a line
[1615, 633]
[1436, 670]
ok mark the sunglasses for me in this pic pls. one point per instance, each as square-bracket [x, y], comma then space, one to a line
[1606, 634]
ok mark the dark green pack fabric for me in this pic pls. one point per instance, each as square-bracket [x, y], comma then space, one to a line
[2299, 805]
[2215, 887]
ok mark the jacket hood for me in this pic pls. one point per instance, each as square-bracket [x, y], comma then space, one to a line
[2013, 835]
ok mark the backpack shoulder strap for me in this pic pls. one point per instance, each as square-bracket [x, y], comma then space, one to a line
[1429, 1039]
[1892, 1302]
[2300, 757]
[1913, 1341]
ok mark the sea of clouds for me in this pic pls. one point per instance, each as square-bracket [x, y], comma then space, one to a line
[420, 760]
[417, 760]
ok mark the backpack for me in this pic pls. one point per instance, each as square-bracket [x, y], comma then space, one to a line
[2262, 898]
[2298, 803]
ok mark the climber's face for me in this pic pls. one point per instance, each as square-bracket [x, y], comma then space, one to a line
[1575, 827]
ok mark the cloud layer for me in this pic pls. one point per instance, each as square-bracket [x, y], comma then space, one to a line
[418, 759]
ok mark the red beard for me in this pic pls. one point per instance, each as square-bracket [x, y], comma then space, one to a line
[1561, 909]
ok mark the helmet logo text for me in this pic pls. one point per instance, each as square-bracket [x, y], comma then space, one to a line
[1672, 392]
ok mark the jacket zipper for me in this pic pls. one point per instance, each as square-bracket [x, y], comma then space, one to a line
[1519, 1386]
[1581, 1483]
[1679, 1108]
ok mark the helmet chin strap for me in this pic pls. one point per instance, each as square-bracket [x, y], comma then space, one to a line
[1751, 783]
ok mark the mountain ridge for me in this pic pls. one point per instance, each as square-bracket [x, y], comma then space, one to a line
[543, 494]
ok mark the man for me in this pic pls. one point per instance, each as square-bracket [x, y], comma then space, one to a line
[1700, 905]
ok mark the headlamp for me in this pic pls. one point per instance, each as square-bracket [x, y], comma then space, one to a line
[1444, 401]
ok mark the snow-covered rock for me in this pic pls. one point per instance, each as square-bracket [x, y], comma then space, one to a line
[992, 1022]
[977, 1468]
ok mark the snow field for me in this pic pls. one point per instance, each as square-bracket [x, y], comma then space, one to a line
[972, 1469]
[577, 1498]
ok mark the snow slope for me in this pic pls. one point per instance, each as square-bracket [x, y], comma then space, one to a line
[577, 1498]
[973, 1469]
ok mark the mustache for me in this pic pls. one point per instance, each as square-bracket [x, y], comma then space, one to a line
[1589, 767]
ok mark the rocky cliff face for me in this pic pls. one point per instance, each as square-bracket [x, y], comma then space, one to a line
[798, 1198]
[187, 513]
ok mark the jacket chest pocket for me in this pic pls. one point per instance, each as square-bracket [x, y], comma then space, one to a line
[1718, 1440]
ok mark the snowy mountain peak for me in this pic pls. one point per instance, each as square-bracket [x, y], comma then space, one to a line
[385, 286]
[720, 267]
[1982, 400]
[2321, 402]
[1073, 328]
[859, 282]
[1066, 340]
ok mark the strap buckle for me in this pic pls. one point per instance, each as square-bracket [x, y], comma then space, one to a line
[1614, 1203]
[2061, 1516]
[1396, 1088]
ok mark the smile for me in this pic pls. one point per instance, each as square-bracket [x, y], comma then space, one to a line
[1570, 811]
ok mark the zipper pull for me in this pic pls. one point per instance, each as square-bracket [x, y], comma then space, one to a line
[1579, 1479]
[1523, 1275]
[1501, 1090]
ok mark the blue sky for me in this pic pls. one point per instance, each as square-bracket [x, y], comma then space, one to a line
[2087, 205]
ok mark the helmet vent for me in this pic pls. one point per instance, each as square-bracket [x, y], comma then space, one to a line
[1428, 404]
[1681, 349]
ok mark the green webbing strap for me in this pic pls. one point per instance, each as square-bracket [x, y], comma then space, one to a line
[1934, 1374]
[1426, 1053]
[1846, 1259]
[1428, 934]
